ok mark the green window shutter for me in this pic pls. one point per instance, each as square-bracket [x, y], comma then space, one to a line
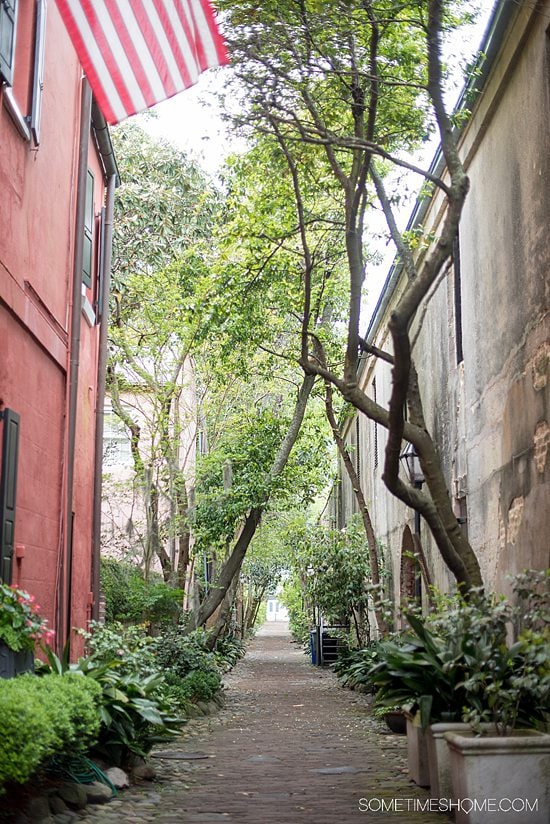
[8, 489]
[38, 76]
[8, 16]
[101, 272]
[88, 248]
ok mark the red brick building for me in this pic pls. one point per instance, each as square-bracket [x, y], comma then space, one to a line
[57, 177]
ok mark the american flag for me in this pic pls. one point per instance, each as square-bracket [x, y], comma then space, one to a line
[136, 53]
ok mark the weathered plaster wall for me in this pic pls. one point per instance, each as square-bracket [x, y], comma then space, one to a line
[489, 414]
[505, 251]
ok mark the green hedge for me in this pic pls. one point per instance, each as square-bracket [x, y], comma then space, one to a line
[41, 717]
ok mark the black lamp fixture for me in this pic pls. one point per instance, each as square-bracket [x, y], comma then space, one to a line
[410, 458]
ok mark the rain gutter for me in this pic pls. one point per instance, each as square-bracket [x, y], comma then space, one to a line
[65, 581]
[105, 148]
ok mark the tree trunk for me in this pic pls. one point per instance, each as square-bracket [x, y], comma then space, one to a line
[183, 532]
[224, 614]
[361, 503]
[232, 566]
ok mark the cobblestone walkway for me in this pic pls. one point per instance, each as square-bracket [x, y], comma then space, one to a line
[290, 746]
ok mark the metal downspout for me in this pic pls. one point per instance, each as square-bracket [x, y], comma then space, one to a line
[65, 593]
[100, 397]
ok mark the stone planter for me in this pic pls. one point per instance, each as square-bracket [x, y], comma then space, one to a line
[15, 663]
[439, 764]
[500, 778]
[417, 751]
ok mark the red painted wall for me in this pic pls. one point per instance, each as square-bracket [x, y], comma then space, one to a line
[38, 190]
[34, 385]
[84, 452]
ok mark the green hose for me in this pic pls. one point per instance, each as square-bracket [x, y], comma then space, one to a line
[79, 769]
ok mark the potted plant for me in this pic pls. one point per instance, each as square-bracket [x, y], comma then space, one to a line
[512, 757]
[419, 673]
[505, 755]
[21, 627]
[353, 667]
[394, 718]
[463, 630]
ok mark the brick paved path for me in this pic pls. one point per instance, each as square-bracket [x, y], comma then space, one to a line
[289, 747]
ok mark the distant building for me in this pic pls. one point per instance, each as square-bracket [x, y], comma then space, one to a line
[133, 518]
[276, 611]
[483, 347]
[56, 166]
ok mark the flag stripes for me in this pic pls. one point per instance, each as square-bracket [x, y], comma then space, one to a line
[137, 53]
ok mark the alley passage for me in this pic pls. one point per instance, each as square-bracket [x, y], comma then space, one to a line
[290, 746]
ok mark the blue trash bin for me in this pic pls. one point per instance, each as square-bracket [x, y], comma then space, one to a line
[313, 646]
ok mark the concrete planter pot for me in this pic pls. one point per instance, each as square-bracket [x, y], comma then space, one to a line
[417, 751]
[439, 763]
[15, 663]
[396, 722]
[500, 778]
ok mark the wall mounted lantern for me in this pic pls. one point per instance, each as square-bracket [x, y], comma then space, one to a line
[410, 458]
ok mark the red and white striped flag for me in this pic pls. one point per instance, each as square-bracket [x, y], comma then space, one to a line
[136, 53]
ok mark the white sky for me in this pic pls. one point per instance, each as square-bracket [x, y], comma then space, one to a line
[191, 121]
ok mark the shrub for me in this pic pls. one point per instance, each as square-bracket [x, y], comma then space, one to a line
[228, 651]
[128, 597]
[196, 686]
[135, 710]
[131, 647]
[42, 717]
[292, 598]
[192, 671]
[457, 663]
[135, 713]
[181, 654]
[353, 666]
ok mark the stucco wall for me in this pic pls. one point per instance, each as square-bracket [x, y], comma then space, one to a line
[32, 383]
[506, 264]
[37, 215]
[490, 414]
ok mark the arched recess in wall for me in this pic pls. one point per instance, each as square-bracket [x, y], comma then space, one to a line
[413, 565]
[409, 568]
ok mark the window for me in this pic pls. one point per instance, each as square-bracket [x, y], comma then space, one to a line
[116, 442]
[88, 241]
[358, 448]
[38, 76]
[8, 491]
[8, 18]
[457, 300]
[375, 444]
[101, 273]
[18, 22]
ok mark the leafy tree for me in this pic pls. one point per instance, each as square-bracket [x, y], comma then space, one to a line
[333, 570]
[186, 296]
[277, 456]
[163, 223]
[339, 91]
